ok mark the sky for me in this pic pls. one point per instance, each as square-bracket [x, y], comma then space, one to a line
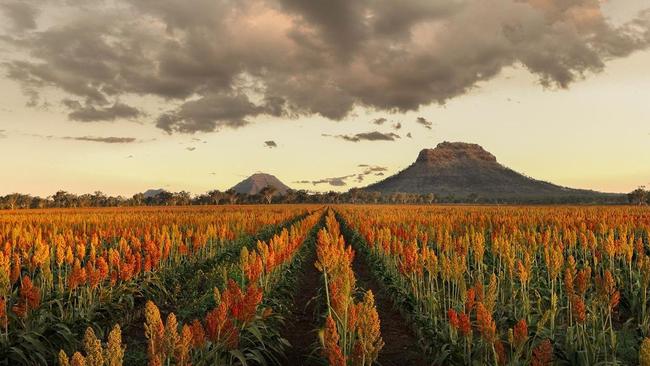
[126, 95]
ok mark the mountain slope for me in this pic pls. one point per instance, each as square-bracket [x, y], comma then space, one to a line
[461, 170]
[152, 192]
[256, 182]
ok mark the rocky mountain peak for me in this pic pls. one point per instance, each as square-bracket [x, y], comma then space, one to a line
[447, 152]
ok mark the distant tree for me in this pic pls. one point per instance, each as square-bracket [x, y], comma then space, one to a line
[11, 201]
[38, 202]
[354, 195]
[215, 196]
[182, 198]
[98, 199]
[86, 200]
[268, 192]
[290, 196]
[138, 199]
[397, 198]
[363, 196]
[202, 199]
[375, 196]
[302, 196]
[114, 201]
[638, 196]
[430, 198]
[164, 198]
[61, 199]
[231, 196]
[332, 197]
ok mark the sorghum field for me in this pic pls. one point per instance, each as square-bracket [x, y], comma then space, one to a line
[337, 285]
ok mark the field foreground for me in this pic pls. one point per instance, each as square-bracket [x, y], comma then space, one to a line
[338, 285]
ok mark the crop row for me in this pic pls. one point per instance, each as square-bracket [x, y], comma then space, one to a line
[67, 268]
[514, 285]
[242, 325]
[351, 334]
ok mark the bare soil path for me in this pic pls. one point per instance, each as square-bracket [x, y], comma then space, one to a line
[301, 328]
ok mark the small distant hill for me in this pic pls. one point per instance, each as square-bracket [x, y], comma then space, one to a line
[256, 182]
[149, 193]
[462, 170]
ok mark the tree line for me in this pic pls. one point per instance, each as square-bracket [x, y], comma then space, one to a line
[269, 194]
[62, 199]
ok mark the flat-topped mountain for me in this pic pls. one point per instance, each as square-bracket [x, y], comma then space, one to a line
[462, 170]
[256, 182]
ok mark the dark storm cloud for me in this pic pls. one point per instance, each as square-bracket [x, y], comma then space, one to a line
[20, 13]
[105, 140]
[396, 21]
[222, 63]
[209, 113]
[424, 122]
[270, 144]
[339, 23]
[367, 136]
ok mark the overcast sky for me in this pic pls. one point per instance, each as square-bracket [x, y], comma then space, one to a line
[126, 95]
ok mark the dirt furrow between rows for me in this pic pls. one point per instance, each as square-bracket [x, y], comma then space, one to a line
[300, 330]
[401, 346]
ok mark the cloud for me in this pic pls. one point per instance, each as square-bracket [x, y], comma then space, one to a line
[379, 121]
[90, 113]
[3, 134]
[409, 135]
[221, 64]
[369, 169]
[424, 122]
[367, 136]
[342, 181]
[397, 126]
[190, 148]
[210, 113]
[270, 144]
[335, 181]
[21, 14]
[105, 140]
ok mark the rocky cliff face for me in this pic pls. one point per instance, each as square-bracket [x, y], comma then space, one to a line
[461, 170]
[449, 152]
